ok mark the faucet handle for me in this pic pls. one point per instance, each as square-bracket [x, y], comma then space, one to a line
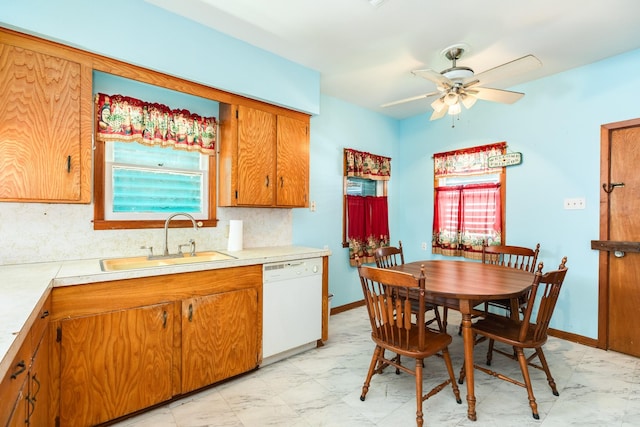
[149, 248]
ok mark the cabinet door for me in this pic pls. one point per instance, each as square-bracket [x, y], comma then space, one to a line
[115, 363]
[292, 162]
[38, 398]
[220, 337]
[256, 157]
[40, 147]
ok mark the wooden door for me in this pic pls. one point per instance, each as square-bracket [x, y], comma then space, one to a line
[292, 162]
[115, 363]
[256, 157]
[220, 337]
[620, 234]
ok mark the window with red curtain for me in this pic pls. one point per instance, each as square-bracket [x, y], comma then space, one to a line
[467, 214]
[366, 218]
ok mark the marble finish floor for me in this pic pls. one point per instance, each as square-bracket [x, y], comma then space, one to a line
[322, 386]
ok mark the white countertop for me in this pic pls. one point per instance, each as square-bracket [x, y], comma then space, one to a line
[23, 286]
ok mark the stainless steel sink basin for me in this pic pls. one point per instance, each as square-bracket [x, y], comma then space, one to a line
[130, 263]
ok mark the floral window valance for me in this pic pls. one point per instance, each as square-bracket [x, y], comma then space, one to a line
[366, 165]
[468, 161]
[121, 118]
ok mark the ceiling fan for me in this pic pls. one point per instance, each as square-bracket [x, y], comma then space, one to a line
[459, 85]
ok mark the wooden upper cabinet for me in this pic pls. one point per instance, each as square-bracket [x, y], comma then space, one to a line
[264, 157]
[292, 185]
[45, 122]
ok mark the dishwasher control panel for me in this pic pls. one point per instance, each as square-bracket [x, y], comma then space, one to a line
[277, 271]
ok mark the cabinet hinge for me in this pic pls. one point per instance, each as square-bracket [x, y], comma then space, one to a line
[59, 334]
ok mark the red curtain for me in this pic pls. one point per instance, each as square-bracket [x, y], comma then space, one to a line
[367, 226]
[465, 217]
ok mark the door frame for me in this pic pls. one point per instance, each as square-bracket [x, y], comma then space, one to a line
[603, 262]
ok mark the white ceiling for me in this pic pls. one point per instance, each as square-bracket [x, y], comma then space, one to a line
[365, 54]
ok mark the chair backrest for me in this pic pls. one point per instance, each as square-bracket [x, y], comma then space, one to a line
[511, 256]
[545, 290]
[387, 297]
[389, 256]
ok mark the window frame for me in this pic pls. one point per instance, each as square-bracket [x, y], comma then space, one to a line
[111, 165]
[502, 180]
[99, 221]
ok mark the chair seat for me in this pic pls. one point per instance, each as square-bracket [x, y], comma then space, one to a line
[436, 341]
[507, 331]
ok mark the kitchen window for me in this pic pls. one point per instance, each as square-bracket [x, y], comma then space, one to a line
[365, 224]
[151, 161]
[150, 182]
[468, 201]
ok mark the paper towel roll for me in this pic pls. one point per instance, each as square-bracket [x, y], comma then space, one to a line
[235, 235]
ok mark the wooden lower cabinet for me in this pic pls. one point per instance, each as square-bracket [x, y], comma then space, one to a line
[24, 392]
[219, 337]
[115, 363]
[125, 345]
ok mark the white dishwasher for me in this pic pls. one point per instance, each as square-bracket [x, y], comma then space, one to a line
[292, 307]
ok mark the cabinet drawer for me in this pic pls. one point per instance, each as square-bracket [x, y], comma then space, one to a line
[12, 383]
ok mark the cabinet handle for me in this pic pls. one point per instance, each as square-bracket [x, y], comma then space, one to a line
[37, 381]
[44, 314]
[190, 312]
[30, 410]
[68, 164]
[281, 181]
[21, 368]
[164, 319]
[266, 181]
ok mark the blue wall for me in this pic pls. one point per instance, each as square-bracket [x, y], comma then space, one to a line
[556, 126]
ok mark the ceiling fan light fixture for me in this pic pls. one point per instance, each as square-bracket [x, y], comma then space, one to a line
[458, 73]
[454, 109]
[468, 100]
[451, 98]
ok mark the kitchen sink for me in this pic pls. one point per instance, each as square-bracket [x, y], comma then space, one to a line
[130, 263]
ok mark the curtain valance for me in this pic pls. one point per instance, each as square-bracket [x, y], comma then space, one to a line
[468, 161]
[122, 118]
[366, 165]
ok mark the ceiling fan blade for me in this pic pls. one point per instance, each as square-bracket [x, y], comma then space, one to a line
[509, 69]
[438, 114]
[435, 77]
[495, 95]
[413, 98]
[439, 105]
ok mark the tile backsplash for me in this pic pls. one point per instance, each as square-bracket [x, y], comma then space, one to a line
[38, 232]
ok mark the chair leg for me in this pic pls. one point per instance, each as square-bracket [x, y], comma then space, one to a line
[447, 361]
[490, 352]
[462, 374]
[524, 367]
[436, 312]
[377, 353]
[418, 372]
[545, 367]
[445, 315]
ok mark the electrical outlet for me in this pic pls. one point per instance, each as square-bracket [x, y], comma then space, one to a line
[575, 203]
[312, 206]
[424, 246]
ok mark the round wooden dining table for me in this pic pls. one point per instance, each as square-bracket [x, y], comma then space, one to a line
[461, 285]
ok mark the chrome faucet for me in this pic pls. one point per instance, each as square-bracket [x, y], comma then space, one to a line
[166, 230]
